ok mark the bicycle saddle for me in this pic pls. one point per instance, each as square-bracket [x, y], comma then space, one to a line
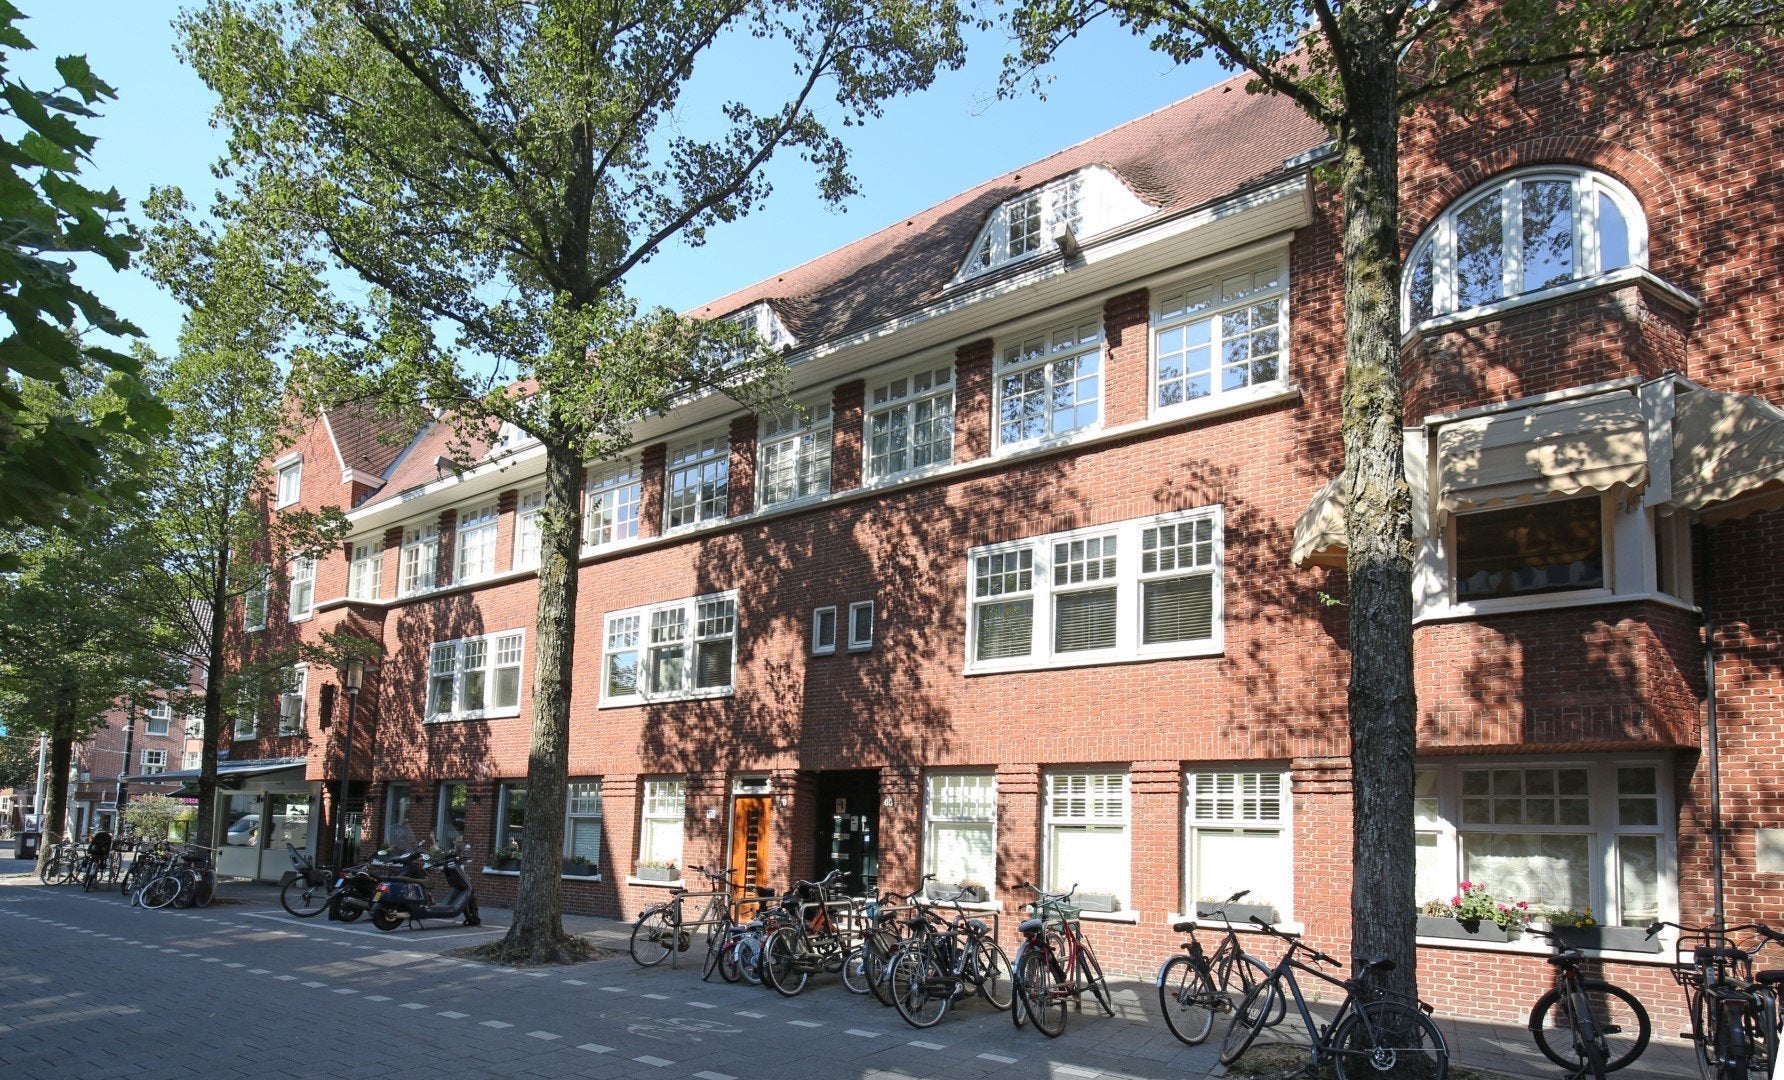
[1030, 926]
[1375, 963]
[1184, 927]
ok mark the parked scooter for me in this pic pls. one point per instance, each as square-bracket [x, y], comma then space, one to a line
[408, 899]
[356, 887]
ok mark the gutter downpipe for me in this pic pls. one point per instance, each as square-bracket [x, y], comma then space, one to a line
[1709, 670]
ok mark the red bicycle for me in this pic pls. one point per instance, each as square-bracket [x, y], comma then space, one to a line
[1055, 965]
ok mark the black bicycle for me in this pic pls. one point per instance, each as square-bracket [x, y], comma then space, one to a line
[1194, 985]
[1587, 1026]
[1734, 1014]
[1373, 1032]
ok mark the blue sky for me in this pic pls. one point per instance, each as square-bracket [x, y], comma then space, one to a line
[923, 150]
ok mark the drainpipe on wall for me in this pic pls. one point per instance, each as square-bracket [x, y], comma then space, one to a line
[1709, 674]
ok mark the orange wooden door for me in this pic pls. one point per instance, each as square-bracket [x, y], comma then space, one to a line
[750, 827]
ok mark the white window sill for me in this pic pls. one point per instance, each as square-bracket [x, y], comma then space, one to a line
[664, 699]
[867, 647]
[1597, 283]
[305, 617]
[1047, 442]
[1545, 602]
[908, 476]
[831, 651]
[652, 883]
[580, 877]
[1174, 917]
[1215, 404]
[1109, 916]
[253, 629]
[493, 872]
[493, 714]
[1094, 659]
[1527, 946]
[788, 504]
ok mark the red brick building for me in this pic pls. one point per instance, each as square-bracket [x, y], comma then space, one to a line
[1033, 587]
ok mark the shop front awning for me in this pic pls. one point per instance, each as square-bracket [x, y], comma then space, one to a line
[230, 774]
[1728, 455]
[1319, 532]
[1571, 447]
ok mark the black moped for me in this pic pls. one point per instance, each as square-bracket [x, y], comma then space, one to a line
[407, 899]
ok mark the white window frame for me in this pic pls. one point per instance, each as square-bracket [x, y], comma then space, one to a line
[1218, 300]
[860, 637]
[909, 415]
[1130, 582]
[254, 605]
[504, 799]
[1241, 811]
[936, 821]
[294, 682]
[419, 567]
[1030, 225]
[793, 455]
[679, 624]
[612, 505]
[823, 631]
[191, 759]
[474, 553]
[1043, 350]
[301, 597]
[1438, 243]
[247, 714]
[159, 713]
[582, 803]
[662, 811]
[497, 652]
[288, 482]
[1057, 816]
[365, 572]
[443, 807]
[702, 465]
[154, 762]
[1605, 829]
[529, 537]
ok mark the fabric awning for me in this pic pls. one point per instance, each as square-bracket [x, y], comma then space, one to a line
[1728, 454]
[1562, 449]
[1319, 532]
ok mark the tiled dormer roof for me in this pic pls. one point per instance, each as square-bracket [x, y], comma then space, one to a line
[1188, 154]
[356, 437]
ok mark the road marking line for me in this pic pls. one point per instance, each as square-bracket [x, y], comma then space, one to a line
[596, 1048]
[376, 997]
[413, 1005]
[345, 990]
[752, 1015]
[657, 997]
[614, 989]
[701, 1005]
[806, 1023]
[920, 1044]
[545, 1036]
[452, 1015]
[647, 1059]
[1073, 1070]
[709, 1075]
[317, 985]
[213, 959]
[497, 1024]
[863, 1033]
[287, 978]
[258, 971]
[235, 965]
[999, 1058]
[574, 982]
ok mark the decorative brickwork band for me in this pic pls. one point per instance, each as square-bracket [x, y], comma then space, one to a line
[901, 814]
[651, 480]
[1018, 828]
[845, 440]
[740, 496]
[1126, 322]
[972, 400]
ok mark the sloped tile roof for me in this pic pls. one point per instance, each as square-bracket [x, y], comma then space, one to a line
[357, 438]
[1188, 154]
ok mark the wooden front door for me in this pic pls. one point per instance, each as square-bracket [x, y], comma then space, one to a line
[750, 828]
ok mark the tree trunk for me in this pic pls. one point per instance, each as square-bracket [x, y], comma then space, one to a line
[1383, 709]
[537, 932]
[215, 670]
[55, 784]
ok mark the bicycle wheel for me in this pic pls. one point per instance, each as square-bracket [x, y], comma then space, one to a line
[1248, 1019]
[781, 954]
[749, 959]
[204, 888]
[715, 943]
[854, 970]
[653, 936]
[304, 899]
[160, 892]
[1731, 1050]
[729, 969]
[992, 976]
[1018, 1010]
[1383, 1036]
[1621, 1022]
[1090, 975]
[1248, 971]
[877, 952]
[920, 989]
[89, 875]
[188, 889]
[1043, 999]
[1187, 999]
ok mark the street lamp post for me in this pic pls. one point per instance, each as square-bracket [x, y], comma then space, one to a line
[352, 679]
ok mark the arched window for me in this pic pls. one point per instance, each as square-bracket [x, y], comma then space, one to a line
[1519, 236]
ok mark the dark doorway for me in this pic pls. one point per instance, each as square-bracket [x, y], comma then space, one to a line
[848, 819]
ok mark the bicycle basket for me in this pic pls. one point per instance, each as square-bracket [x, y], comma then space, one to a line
[1060, 913]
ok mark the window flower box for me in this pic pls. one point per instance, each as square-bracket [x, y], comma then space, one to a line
[1614, 938]
[1472, 930]
[950, 890]
[647, 872]
[1237, 914]
[578, 868]
[505, 862]
[1096, 901]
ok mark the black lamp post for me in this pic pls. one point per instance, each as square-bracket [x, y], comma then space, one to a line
[352, 679]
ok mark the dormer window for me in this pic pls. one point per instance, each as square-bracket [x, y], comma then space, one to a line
[1033, 223]
[761, 318]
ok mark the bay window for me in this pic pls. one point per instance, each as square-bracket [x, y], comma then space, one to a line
[1050, 384]
[682, 649]
[1088, 840]
[1537, 547]
[611, 503]
[154, 761]
[698, 482]
[794, 456]
[910, 423]
[477, 542]
[960, 827]
[1220, 335]
[1129, 590]
[1237, 833]
[474, 677]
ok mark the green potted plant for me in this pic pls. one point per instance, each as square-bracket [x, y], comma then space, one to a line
[506, 859]
[657, 870]
[1581, 930]
[1473, 913]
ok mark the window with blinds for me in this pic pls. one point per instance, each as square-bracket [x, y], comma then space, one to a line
[582, 821]
[1130, 590]
[1088, 842]
[960, 827]
[1237, 831]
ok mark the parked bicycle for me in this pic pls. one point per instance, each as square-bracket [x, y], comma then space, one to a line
[1734, 1014]
[189, 881]
[1055, 965]
[1193, 986]
[1587, 1026]
[1372, 1032]
[891, 920]
[819, 940]
[661, 931]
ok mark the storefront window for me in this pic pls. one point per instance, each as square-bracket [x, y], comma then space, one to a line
[290, 816]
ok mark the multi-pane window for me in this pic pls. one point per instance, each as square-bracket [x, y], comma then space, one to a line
[614, 495]
[294, 683]
[794, 456]
[1576, 834]
[454, 807]
[910, 423]
[698, 481]
[420, 559]
[528, 534]
[154, 761]
[682, 649]
[663, 810]
[960, 827]
[247, 713]
[254, 605]
[477, 676]
[582, 821]
[1050, 384]
[190, 759]
[511, 815]
[1220, 335]
[158, 718]
[1024, 225]
[1086, 202]
[1522, 234]
[290, 483]
[1088, 843]
[477, 542]
[1238, 838]
[302, 597]
[1138, 588]
[365, 571]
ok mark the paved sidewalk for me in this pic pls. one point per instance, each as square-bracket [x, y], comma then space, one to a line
[820, 1034]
